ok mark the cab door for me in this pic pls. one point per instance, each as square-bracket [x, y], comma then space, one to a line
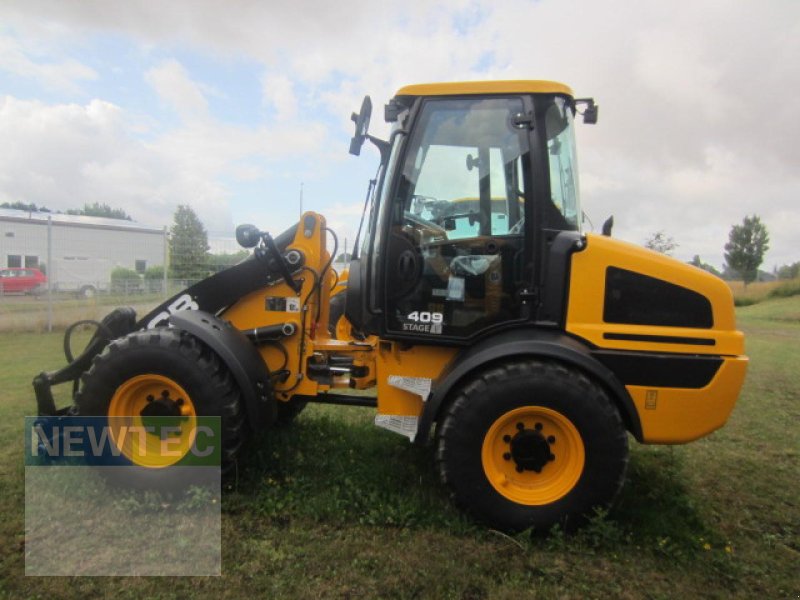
[456, 251]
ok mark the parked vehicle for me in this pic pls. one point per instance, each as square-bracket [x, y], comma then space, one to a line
[484, 319]
[81, 275]
[15, 280]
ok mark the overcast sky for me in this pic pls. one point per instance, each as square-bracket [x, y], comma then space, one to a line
[229, 106]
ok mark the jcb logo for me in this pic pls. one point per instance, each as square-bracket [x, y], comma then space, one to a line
[183, 302]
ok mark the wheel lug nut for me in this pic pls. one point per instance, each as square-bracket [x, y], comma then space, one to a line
[538, 426]
[165, 394]
[507, 439]
[150, 398]
[507, 456]
[521, 426]
[519, 469]
[551, 439]
[179, 401]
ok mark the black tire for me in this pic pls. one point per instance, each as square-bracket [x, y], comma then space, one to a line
[585, 468]
[182, 358]
[335, 312]
[288, 411]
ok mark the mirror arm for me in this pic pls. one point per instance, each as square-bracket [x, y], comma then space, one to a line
[383, 147]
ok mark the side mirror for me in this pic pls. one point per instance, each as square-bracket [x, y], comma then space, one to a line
[608, 225]
[248, 236]
[362, 126]
[590, 111]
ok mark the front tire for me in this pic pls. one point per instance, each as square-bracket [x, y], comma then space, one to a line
[532, 444]
[163, 372]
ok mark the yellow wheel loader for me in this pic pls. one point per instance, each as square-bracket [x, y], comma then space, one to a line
[487, 322]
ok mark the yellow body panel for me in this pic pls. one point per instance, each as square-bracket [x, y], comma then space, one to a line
[415, 361]
[587, 290]
[675, 416]
[461, 88]
[250, 312]
[667, 415]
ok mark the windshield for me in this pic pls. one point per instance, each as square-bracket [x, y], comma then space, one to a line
[463, 174]
[563, 162]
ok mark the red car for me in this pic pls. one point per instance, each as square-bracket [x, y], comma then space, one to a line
[22, 281]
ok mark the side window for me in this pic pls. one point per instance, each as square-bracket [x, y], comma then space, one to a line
[564, 210]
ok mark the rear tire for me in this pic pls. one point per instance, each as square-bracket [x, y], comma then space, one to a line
[532, 444]
[123, 378]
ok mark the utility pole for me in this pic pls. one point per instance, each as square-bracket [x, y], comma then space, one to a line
[166, 261]
[50, 272]
[301, 198]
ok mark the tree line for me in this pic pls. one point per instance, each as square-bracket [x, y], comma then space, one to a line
[96, 209]
[747, 244]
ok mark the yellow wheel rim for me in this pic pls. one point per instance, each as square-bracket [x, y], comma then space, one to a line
[152, 420]
[533, 455]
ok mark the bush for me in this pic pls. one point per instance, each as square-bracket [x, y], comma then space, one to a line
[125, 281]
[784, 290]
[156, 272]
[745, 300]
[121, 274]
[154, 279]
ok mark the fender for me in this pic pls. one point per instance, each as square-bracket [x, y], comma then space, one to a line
[240, 356]
[534, 343]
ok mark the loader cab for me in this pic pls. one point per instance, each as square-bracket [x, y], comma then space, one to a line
[474, 181]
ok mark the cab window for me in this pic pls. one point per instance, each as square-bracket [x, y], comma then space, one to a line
[457, 221]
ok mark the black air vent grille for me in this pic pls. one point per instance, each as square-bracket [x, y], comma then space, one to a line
[635, 299]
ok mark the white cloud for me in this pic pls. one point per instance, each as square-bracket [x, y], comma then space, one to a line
[64, 76]
[173, 85]
[697, 124]
[62, 156]
[278, 92]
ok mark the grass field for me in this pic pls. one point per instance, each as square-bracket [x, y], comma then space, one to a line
[763, 290]
[334, 508]
[29, 313]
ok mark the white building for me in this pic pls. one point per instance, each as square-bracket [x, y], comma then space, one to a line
[84, 250]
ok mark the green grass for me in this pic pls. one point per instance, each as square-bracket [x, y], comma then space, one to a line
[335, 508]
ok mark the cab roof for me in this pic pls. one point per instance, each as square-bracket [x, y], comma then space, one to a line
[462, 88]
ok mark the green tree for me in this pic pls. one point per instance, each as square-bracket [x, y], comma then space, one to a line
[661, 242]
[188, 245]
[223, 260]
[696, 262]
[747, 244]
[791, 271]
[100, 210]
[24, 206]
